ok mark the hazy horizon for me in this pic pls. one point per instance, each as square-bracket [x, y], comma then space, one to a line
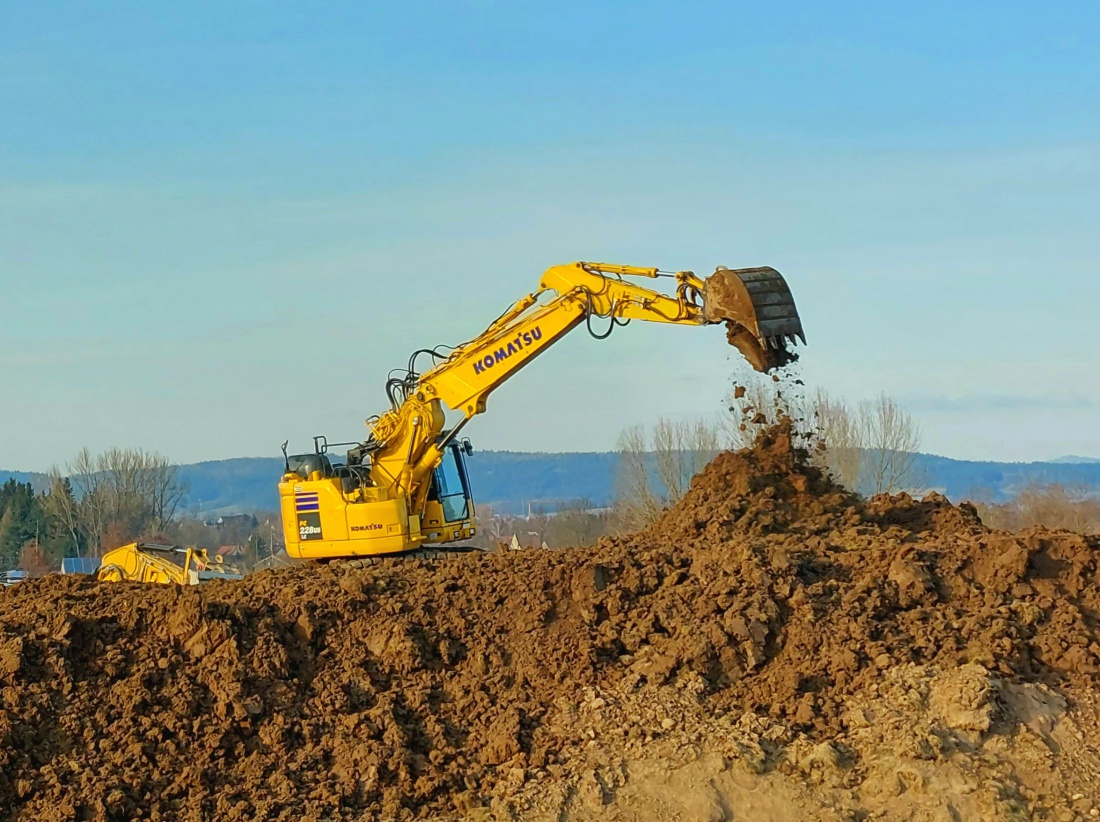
[1067, 459]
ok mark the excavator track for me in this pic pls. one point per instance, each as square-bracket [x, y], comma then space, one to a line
[432, 553]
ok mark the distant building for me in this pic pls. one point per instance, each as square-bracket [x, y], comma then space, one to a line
[231, 553]
[80, 565]
[230, 520]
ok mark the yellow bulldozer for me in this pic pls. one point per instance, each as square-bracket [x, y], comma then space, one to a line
[150, 562]
[405, 487]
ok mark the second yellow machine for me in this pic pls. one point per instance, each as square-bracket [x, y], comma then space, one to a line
[405, 487]
[167, 564]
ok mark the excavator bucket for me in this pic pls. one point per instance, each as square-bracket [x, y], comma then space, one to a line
[759, 312]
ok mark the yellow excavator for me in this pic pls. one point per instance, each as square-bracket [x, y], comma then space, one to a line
[151, 562]
[405, 487]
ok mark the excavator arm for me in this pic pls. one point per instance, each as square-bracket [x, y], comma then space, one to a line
[762, 325]
[384, 512]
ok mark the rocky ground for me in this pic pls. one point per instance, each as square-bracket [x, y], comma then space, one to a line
[774, 648]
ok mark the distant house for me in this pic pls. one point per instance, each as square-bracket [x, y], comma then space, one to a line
[231, 553]
[80, 565]
[233, 520]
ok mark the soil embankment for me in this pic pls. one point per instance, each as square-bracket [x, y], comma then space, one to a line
[773, 648]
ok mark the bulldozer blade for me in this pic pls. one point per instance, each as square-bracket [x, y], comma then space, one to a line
[759, 312]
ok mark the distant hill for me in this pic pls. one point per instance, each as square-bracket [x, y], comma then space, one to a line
[507, 480]
[232, 486]
[23, 476]
[510, 481]
[1071, 460]
[999, 481]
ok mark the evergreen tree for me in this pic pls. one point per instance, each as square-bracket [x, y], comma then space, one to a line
[62, 536]
[21, 520]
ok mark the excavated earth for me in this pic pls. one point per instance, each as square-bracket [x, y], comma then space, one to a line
[773, 648]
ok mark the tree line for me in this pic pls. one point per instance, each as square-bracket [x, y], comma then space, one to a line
[869, 447]
[29, 532]
[1051, 506]
[98, 502]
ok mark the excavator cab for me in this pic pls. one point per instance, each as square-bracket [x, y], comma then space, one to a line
[449, 509]
[334, 510]
[450, 503]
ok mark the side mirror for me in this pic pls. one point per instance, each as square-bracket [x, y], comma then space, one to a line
[468, 448]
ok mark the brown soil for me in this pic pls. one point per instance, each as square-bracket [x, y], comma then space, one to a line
[772, 633]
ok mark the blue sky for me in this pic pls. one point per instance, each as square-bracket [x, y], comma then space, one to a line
[221, 224]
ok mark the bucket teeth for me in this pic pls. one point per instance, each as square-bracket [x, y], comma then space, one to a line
[757, 305]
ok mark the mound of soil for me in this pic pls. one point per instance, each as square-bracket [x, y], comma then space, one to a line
[416, 689]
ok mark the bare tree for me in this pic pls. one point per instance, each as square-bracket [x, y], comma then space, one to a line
[143, 487]
[838, 433]
[680, 449]
[61, 505]
[754, 404]
[576, 523]
[889, 439]
[636, 503]
[757, 402]
[493, 530]
[34, 560]
[531, 529]
[89, 490]
[1051, 506]
[120, 493]
[871, 447]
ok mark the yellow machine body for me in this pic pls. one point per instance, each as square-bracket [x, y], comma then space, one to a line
[321, 520]
[164, 564]
[406, 486]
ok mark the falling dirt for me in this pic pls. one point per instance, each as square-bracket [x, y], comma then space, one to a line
[773, 648]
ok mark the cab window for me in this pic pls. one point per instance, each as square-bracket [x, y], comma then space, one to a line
[450, 487]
